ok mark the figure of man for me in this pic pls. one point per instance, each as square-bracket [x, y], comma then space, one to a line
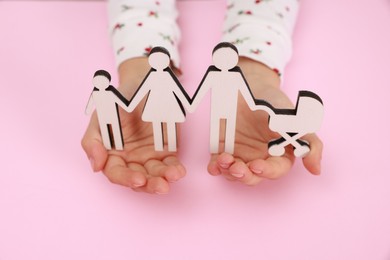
[225, 80]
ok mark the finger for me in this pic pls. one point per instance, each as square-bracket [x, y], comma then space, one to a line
[177, 171]
[212, 167]
[224, 161]
[157, 168]
[132, 175]
[312, 160]
[238, 170]
[242, 173]
[271, 168]
[157, 185]
[93, 145]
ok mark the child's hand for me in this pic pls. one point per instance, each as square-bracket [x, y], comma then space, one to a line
[138, 166]
[251, 162]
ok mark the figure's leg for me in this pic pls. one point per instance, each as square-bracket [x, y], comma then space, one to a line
[291, 139]
[276, 147]
[214, 134]
[303, 150]
[230, 134]
[105, 133]
[158, 136]
[117, 135]
[300, 149]
[172, 137]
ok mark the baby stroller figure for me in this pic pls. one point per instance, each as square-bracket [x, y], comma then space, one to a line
[292, 124]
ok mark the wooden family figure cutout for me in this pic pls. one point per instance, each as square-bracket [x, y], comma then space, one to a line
[167, 100]
[292, 124]
[164, 104]
[106, 100]
[226, 80]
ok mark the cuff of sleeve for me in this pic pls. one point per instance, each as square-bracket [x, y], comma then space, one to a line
[139, 44]
[263, 42]
[136, 31]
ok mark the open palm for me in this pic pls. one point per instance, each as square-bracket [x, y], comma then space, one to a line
[141, 168]
[138, 166]
[251, 162]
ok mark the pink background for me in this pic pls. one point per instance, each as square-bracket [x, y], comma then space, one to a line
[53, 207]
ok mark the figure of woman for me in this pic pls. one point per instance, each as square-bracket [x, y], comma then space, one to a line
[165, 99]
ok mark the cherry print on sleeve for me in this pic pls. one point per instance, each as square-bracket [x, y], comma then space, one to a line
[118, 27]
[120, 50]
[126, 8]
[147, 50]
[245, 12]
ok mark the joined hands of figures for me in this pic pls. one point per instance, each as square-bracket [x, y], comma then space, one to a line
[167, 102]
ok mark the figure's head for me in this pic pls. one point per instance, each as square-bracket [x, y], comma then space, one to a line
[225, 56]
[159, 58]
[101, 79]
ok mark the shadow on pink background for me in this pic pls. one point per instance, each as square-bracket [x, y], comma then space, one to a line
[53, 207]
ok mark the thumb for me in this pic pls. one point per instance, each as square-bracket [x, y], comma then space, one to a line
[93, 145]
[312, 161]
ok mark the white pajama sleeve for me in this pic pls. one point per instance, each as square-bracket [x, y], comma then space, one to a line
[262, 30]
[136, 26]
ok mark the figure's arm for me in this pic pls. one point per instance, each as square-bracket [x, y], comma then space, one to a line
[142, 90]
[89, 108]
[182, 95]
[245, 90]
[201, 91]
[180, 92]
[253, 103]
[118, 97]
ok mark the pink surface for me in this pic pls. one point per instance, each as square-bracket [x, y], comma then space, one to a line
[53, 207]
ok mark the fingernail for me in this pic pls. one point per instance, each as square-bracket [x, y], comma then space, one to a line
[138, 184]
[238, 175]
[224, 165]
[257, 171]
[173, 178]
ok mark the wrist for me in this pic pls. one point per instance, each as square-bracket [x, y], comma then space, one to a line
[131, 74]
[259, 76]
